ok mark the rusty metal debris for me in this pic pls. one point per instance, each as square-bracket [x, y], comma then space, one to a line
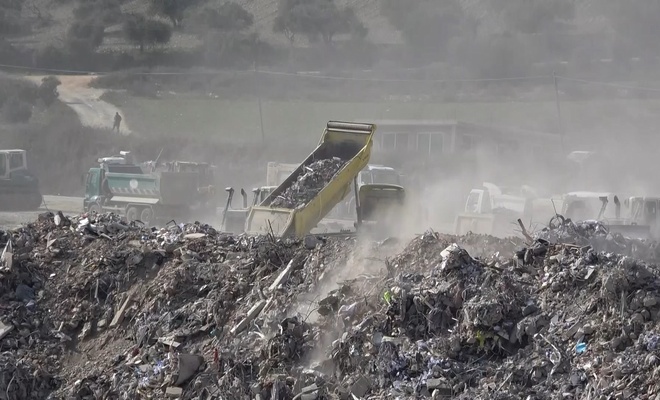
[94, 307]
[315, 177]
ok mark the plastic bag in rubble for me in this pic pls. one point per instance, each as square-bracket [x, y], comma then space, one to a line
[454, 257]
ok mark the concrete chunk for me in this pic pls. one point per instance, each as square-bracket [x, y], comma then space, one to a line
[169, 342]
[188, 366]
[252, 314]
[119, 316]
[361, 386]
[174, 392]
[284, 275]
[5, 329]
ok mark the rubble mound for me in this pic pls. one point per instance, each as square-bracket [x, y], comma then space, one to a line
[316, 176]
[94, 307]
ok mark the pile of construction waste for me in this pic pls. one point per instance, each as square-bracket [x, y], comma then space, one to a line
[94, 307]
[315, 177]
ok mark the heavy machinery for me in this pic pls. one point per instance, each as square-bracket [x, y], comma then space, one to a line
[642, 217]
[494, 210]
[381, 195]
[348, 141]
[233, 219]
[120, 186]
[635, 218]
[19, 188]
[382, 181]
[489, 211]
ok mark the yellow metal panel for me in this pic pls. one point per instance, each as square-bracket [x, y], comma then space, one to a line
[340, 139]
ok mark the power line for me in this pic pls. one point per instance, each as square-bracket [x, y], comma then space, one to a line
[549, 78]
[276, 73]
[340, 78]
[610, 84]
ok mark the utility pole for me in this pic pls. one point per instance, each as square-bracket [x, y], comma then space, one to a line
[256, 84]
[559, 120]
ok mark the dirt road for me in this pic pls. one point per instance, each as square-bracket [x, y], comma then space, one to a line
[68, 205]
[86, 101]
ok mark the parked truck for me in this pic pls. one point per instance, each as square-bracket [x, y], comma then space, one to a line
[120, 186]
[19, 188]
[494, 210]
[348, 141]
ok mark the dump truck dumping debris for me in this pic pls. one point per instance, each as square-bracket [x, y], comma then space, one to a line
[317, 175]
[100, 308]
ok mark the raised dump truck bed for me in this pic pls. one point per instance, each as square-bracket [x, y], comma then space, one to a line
[348, 141]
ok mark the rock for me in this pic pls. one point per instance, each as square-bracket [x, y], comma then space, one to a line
[87, 329]
[24, 293]
[453, 257]
[188, 366]
[650, 301]
[529, 309]
[174, 392]
[5, 329]
[637, 318]
[311, 241]
[361, 386]
[310, 392]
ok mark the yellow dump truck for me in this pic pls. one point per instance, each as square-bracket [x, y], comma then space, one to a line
[345, 140]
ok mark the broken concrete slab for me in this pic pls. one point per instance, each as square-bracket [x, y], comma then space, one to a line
[174, 392]
[361, 386]
[5, 329]
[251, 314]
[188, 366]
[119, 316]
[169, 342]
[281, 277]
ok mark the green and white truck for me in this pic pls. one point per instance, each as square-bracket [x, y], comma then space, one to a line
[118, 185]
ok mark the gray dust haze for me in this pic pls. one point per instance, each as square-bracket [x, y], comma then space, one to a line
[537, 79]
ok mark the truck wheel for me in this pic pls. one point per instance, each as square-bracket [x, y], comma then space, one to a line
[147, 215]
[94, 209]
[132, 214]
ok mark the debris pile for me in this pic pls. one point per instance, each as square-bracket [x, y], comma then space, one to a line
[316, 176]
[597, 235]
[94, 307]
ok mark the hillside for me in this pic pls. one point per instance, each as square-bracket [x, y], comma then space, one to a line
[589, 16]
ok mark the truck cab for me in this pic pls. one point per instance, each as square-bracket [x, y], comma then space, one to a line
[97, 191]
[19, 189]
[12, 161]
[641, 218]
[379, 174]
[383, 182]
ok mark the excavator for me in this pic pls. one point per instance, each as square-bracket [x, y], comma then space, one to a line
[19, 188]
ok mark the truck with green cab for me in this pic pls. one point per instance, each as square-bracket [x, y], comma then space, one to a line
[118, 185]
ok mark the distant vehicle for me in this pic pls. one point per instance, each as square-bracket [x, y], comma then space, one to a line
[233, 219]
[19, 188]
[494, 210]
[379, 175]
[346, 140]
[121, 186]
[378, 187]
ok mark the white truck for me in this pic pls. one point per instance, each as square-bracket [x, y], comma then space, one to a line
[494, 210]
